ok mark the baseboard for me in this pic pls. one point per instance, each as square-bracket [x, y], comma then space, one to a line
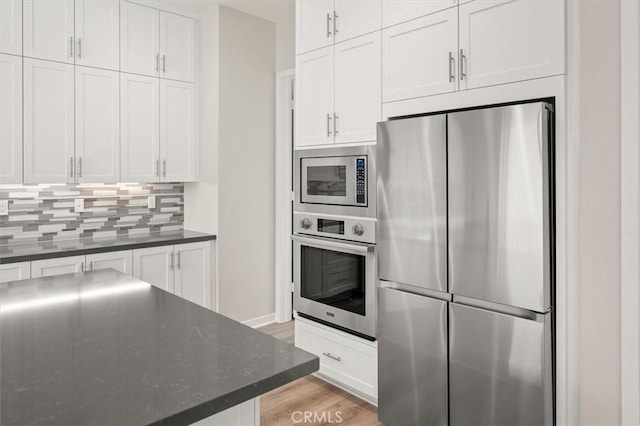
[261, 321]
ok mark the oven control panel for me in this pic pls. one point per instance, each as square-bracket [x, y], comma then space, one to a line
[340, 227]
[361, 181]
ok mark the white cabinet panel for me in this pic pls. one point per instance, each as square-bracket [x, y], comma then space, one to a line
[97, 125]
[314, 24]
[59, 266]
[155, 266]
[193, 272]
[10, 119]
[48, 29]
[314, 97]
[15, 272]
[120, 261]
[97, 29]
[11, 27]
[511, 40]
[398, 11]
[139, 39]
[177, 140]
[356, 17]
[48, 122]
[139, 128]
[358, 91]
[177, 44]
[418, 57]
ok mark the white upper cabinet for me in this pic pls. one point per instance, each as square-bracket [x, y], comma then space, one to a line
[139, 39]
[511, 40]
[139, 128]
[48, 122]
[11, 27]
[398, 11]
[358, 97]
[314, 24]
[193, 272]
[353, 18]
[177, 44]
[314, 97]
[48, 30]
[177, 139]
[419, 57]
[97, 125]
[10, 119]
[97, 33]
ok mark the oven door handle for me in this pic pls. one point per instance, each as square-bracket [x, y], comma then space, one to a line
[335, 245]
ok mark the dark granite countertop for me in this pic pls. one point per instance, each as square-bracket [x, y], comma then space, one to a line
[48, 250]
[102, 348]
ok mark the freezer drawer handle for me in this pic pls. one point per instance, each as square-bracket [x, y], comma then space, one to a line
[329, 355]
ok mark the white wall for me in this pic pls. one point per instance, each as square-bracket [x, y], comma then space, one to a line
[600, 212]
[246, 165]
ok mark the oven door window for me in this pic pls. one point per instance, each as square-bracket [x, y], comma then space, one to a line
[333, 278]
[328, 181]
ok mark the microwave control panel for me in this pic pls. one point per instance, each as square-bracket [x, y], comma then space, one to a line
[361, 181]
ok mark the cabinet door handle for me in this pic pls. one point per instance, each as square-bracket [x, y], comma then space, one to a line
[328, 25]
[178, 263]
[329, 355]
[463, 60]
[171, 265]
[80, 167]
[164, 63]
[158, 168]
[335, 22]
[82, 266]
[157, 62]
[80, 48]
[451, 66]
[91, 265]
[328, 124]
[335, 124]
[71, 47]
[71, 167]
[164, 168]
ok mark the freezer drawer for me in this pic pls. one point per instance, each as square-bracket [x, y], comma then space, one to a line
[412, 359]
[500, 369]
[412, 203]
[500, 205]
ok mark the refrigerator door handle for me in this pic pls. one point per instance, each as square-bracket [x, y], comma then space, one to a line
[501, 309]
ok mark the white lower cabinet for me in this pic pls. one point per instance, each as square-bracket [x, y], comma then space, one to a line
[183, 269]
[121, 261]
[15, 272]
[58, 266]
[345, 360]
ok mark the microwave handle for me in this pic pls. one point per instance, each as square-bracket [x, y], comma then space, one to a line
[335, 245]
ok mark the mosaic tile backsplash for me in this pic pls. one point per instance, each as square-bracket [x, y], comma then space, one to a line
[39, 213]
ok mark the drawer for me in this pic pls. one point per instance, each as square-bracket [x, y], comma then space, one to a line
[348, 360]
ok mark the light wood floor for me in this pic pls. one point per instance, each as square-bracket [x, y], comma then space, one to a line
[311, 394]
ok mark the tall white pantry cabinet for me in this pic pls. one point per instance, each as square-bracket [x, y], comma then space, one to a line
[89, 113]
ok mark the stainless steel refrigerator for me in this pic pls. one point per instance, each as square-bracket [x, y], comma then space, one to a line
[466, 266]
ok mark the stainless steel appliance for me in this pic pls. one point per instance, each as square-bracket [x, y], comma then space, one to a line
[335, 278]
[335, 181]
[466, 266]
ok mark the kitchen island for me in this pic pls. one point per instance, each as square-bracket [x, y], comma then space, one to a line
[102, 348]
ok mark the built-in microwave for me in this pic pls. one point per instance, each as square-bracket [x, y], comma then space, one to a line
[336, 181]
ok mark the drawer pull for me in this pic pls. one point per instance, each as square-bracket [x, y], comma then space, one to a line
[329, 355]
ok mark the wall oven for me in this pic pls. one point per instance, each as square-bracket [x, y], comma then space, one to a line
[335, 181]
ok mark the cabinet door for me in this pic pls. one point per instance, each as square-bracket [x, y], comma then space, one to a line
[358, 89]
[354, 18]
[10, 119]
[15, 272]
[177, 141]
[155, 266]
[314, 25]
[59, 266]
[177, 44]
[11, 27]
[97, 125]
[139, 128]
[314, 97]
[139, 39]
[418, 57]
[120, 261]
[514, 40]
[193, 272]
[48, 29]
[98, 33]
[398, 11]
[48, 122]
